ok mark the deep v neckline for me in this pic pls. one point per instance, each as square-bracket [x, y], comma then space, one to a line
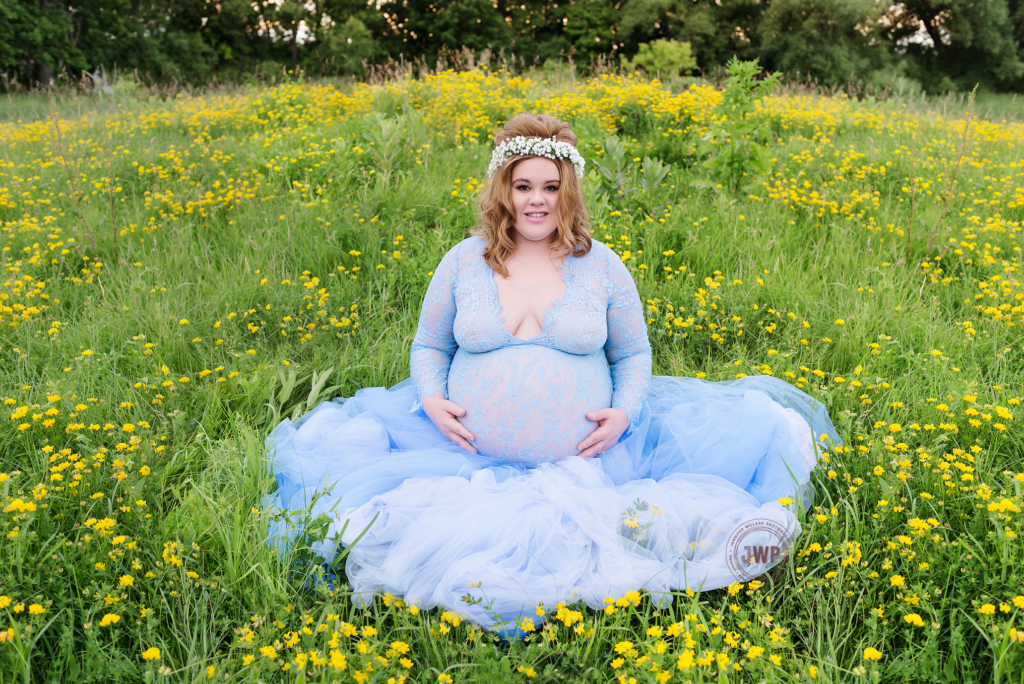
[563, 271]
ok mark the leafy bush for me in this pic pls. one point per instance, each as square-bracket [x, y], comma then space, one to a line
[666, 58]
[612, 170]
[638, 120]
[620, 182]
[736, 144]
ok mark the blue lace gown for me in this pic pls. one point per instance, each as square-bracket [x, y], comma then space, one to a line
[525, 522]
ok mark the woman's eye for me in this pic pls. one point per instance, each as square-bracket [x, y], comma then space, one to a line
[553, 188]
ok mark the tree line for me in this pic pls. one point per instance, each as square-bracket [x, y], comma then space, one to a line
[934, 45]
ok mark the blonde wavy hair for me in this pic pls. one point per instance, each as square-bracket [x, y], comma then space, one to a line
[497, 216]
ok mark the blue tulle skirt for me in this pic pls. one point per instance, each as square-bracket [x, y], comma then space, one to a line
[679, 502]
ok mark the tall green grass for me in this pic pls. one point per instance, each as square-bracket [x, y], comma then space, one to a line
[751, 258]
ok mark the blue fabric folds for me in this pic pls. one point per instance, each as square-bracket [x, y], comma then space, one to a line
[657, 511]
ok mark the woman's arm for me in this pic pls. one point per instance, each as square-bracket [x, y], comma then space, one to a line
[627, 348]
[629, 355]
[432, 351]
[434, 344]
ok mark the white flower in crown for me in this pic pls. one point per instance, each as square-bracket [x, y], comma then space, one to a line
[551, 148]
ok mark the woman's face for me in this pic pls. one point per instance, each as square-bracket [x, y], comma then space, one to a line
[535, 187]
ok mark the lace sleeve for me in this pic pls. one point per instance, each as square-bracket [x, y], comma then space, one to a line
[628, 349]
[434, 344]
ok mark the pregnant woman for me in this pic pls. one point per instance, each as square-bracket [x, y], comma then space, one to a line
[532, 458]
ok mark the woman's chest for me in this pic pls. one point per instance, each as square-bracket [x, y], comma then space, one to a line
[567, 311]
[526, 295]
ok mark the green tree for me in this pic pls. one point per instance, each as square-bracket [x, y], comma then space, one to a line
[954, 44]
[231, 31]
[289, 18]
[344, 47]
[163, 41]
[39, 38]
[538, 30]
[831, 40]
[1016, 10]
[716, 29]
[36, 40]
[666, 57]
[425, 27]
[588, 26]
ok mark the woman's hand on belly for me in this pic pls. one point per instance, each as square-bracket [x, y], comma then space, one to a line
[444, 415]
[612, 422]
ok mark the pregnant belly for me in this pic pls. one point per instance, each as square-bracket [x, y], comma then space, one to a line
[529, 402]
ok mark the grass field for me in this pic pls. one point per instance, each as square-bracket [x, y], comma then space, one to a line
[178, 275]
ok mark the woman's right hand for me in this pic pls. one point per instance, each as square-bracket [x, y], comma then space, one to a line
[444, 415]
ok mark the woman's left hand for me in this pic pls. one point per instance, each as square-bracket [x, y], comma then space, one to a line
[612, 423]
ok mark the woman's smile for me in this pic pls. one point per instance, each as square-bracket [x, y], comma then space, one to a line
[535, 198]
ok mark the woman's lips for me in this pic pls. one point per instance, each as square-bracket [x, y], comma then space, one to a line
[536, 219]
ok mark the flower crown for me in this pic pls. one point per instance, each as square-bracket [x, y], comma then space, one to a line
[551, 148]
